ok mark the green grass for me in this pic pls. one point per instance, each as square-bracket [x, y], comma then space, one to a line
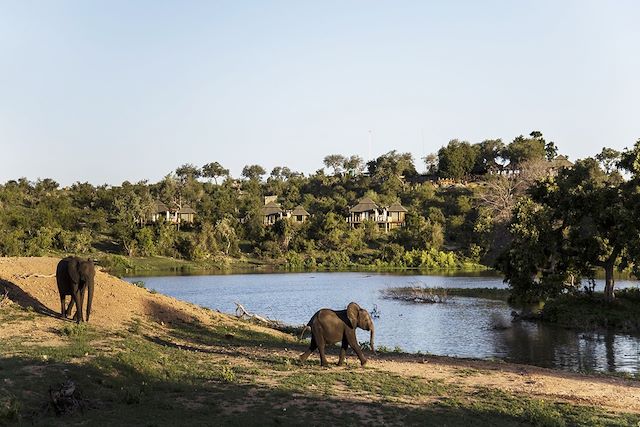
[141, 376]
[592, 312]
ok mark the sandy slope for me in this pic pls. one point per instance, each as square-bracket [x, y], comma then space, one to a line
[117, 302]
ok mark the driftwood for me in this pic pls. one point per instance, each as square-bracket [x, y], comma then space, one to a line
[243, 313]
[417, 294]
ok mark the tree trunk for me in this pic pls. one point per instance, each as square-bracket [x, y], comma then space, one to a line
[609, 282]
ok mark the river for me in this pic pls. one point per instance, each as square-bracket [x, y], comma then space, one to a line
[462, 327]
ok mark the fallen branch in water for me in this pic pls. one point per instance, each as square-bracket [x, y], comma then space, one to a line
[418, 295]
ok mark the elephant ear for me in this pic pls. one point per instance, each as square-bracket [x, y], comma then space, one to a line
[353, 310]
[74, 270]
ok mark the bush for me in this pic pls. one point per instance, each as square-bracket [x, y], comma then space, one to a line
[145, 242]
[116, 263]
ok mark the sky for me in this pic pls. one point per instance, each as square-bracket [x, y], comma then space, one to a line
[108, 91]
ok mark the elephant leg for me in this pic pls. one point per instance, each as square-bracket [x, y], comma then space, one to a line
[353, 342]
[63, 313]
[323, 357]
[312, 348]
[77, 297]
[343, 350]
[69, 307]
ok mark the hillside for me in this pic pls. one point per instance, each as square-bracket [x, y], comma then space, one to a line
[147, 358]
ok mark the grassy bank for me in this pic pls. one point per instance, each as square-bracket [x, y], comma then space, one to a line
[123, 265]
[158, 375]
[593, 312]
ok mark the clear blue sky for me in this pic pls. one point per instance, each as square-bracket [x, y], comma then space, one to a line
[106, 91]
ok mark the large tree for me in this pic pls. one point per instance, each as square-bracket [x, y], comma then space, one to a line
[523, 149]
[582, 220]
[214, 170]
[457, 159]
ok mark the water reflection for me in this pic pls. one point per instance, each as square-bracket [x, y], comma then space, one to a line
[465, 327]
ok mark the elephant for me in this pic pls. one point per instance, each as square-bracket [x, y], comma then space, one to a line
[330, 326]
[75, 275]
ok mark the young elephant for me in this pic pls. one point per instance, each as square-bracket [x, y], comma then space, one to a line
[330, 326]
[75, 275]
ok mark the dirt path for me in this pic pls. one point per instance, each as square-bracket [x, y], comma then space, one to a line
[117, 303]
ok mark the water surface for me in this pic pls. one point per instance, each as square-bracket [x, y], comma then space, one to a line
[463, 327]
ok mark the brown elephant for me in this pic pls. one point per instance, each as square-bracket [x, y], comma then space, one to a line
[331, 326]
[75, 275]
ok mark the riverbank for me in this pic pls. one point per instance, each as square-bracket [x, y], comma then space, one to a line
[149, 358]
[121, 265]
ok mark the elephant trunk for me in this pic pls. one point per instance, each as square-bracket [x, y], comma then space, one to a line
[373, 348]
[89, 298]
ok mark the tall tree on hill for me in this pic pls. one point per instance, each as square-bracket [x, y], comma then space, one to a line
[488, 155]
[335, 162]
[353, 165]
[214, 170]
[609, 159]
[253, 172]
[388, 170]
[457, 159]
[523, 149]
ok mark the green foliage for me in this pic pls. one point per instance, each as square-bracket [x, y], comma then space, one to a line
[582, 220]
[139, 283]
[525, 149]
[10, 408]
[457, 159]
[587, 311]
[40, 218]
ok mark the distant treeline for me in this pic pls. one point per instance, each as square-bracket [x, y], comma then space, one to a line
[459, 213]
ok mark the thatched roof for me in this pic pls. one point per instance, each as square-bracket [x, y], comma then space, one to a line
[364, 205]
[397, 207]
[271, 208]
[159, 207]
[186, 209]
[561, 162]
[299, 210]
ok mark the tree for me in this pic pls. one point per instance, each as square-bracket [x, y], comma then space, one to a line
[226, 235]
[335, 162]
[187, 172]
[609, 159]
[253, 172]
[214, 170]
[524, 149]
[431, 163]
[582, 220]
[487, 155]
[420, 233]
[130, 209]
[354, 165]
[457, 159]
[551, 150]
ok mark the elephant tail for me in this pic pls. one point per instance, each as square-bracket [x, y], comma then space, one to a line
[307, 327]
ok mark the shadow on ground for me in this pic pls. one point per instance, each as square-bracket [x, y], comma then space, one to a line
[23, 299]
[114, 392]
